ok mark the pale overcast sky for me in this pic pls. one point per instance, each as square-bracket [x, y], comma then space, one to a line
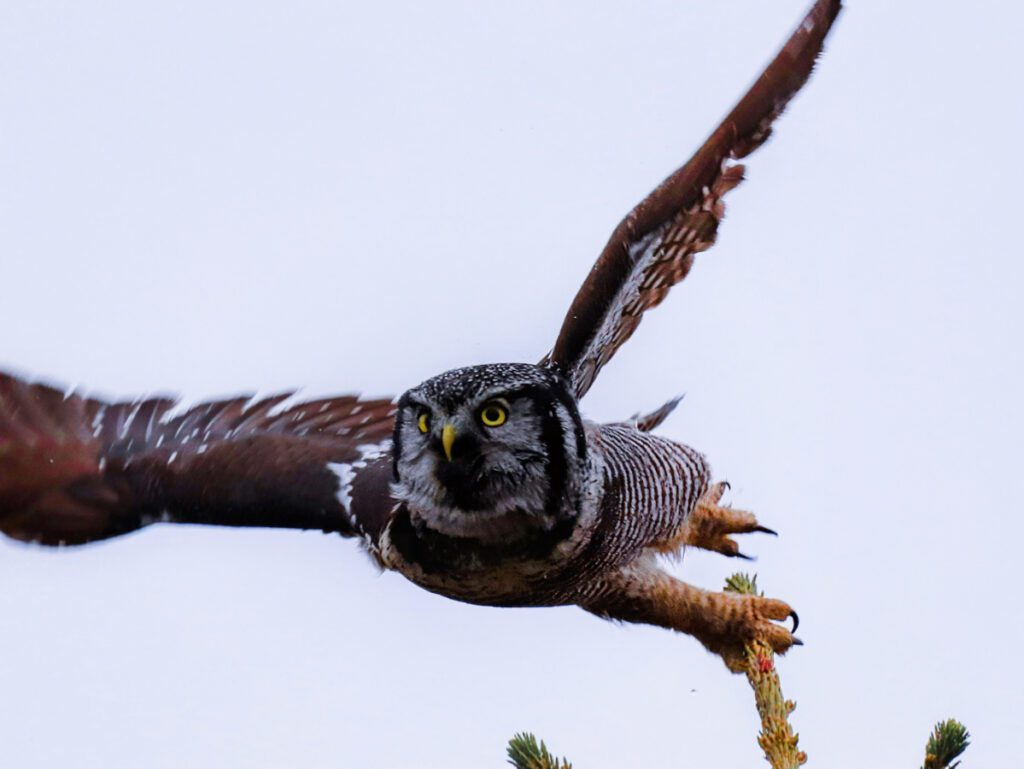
[214, 197]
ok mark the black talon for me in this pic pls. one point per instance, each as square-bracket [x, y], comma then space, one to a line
[744, 556]
[797, 642]
[796, 620]
[766, 530]
[726, 485]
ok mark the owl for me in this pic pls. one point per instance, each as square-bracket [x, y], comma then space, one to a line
[485, 484]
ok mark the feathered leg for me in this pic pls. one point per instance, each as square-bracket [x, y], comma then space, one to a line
[723, 622]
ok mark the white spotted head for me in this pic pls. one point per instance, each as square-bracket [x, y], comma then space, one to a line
[485, 441]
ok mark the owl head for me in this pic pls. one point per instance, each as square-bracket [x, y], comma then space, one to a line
[475, 445]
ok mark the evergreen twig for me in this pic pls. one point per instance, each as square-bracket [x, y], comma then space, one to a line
[948, 740]
[524, 752]
[777, 738]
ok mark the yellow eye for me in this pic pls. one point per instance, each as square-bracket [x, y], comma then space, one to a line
[493, 415]
[424, 422]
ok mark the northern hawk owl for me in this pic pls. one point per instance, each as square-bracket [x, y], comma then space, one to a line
[484, 484]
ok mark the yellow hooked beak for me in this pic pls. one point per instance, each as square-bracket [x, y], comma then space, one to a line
[448, 440]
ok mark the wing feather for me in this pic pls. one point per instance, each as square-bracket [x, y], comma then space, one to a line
[75, 469]
[653, 248]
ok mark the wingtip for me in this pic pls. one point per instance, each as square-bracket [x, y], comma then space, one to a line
[820, 18]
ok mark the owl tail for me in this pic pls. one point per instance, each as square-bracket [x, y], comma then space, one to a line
[650, 421]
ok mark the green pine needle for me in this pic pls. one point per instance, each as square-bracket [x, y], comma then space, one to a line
[948, 740]
[525, 753]
[742, 583]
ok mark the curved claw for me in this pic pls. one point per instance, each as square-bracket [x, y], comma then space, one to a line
[766, 530]
[796, 620]
[726, 485]
[797, 642]
[744, 556]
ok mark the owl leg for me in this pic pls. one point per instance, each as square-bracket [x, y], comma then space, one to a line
[723, 622]
[710, 525]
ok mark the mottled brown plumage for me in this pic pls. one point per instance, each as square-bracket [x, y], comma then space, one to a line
[484, 484]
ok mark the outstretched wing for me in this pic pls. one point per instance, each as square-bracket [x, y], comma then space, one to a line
[652, 249]
[76, 469]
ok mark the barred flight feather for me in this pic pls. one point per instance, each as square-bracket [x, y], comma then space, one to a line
[653, 248]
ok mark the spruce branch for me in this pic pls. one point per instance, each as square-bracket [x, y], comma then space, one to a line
[777, 739]
[948, 740]
[742, 583]
[524, 752]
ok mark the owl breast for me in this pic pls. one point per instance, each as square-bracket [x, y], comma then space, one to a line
[524, 565]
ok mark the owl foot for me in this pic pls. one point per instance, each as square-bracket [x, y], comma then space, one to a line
[710, 524]
[751, 618]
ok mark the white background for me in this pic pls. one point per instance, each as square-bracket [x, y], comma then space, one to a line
[214, 197]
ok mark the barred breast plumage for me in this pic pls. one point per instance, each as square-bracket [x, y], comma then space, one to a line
[651, 486]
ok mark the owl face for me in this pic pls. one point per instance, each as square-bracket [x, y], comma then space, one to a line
[476, 444]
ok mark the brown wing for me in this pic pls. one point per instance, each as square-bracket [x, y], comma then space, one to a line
[76, 469]
[652, 249]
